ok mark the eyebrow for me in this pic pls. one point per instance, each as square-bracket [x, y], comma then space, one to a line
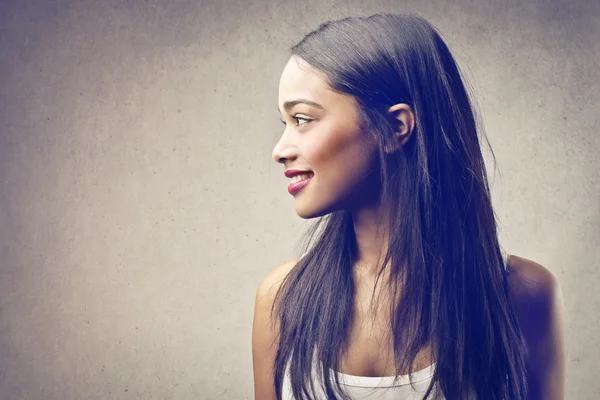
[291, 103]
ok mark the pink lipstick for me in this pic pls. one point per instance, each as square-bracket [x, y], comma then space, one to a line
[294, 188]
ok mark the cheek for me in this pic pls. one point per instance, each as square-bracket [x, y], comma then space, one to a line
[342, 170]
[335, 144]
[342, 157]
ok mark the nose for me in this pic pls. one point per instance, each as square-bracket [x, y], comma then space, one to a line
[281, 155]
[283, 151]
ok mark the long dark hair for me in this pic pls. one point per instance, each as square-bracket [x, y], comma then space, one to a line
[442, 226]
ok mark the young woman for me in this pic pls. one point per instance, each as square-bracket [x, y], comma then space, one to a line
[405, 292]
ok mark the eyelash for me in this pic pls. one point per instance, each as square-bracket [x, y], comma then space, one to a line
[296, 119]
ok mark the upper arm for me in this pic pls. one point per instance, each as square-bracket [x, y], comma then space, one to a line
[265, 341]
[540, 308]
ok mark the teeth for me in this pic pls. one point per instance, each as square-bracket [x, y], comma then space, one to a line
[301, 177]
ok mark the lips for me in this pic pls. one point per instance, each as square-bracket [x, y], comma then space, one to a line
[301, 177]
[290, 173]
[295, 187]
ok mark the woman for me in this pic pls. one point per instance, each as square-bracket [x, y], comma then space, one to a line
[406, 279]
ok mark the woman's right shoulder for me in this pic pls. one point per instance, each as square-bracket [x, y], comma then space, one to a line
[272, 280]
[265, 339]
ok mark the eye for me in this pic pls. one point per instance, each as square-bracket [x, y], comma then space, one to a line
[303, 119]
[297, 120]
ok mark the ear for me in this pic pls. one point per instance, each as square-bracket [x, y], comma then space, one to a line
[402, 118]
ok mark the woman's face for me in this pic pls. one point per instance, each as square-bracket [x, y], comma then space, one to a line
[325, 139]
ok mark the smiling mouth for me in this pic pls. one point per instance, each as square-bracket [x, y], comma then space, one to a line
[299, 184]
[302, 177]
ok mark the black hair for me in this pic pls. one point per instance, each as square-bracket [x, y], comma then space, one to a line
[444, 250]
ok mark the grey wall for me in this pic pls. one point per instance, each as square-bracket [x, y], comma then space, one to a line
[140, 206]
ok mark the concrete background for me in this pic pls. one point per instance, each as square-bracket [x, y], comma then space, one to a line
[140, 206]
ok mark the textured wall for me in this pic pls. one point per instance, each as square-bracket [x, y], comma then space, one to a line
[140, 206]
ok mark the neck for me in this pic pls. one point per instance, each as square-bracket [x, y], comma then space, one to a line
[372, 239]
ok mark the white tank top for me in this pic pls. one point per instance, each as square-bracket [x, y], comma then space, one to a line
[380, 388]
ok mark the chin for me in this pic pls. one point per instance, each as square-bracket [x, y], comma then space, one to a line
[305, 214]
[313, 211]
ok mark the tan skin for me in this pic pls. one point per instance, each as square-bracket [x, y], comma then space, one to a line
[327, 141]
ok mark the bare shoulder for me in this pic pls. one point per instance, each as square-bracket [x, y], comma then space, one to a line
[265, 340]
[273, 279]
[529, 280]
[538, 302]
[535, 293]
[265, 294]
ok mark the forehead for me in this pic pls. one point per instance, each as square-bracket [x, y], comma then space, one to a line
[300, 80]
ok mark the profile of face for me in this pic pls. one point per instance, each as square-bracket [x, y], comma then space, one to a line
[322, 134]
